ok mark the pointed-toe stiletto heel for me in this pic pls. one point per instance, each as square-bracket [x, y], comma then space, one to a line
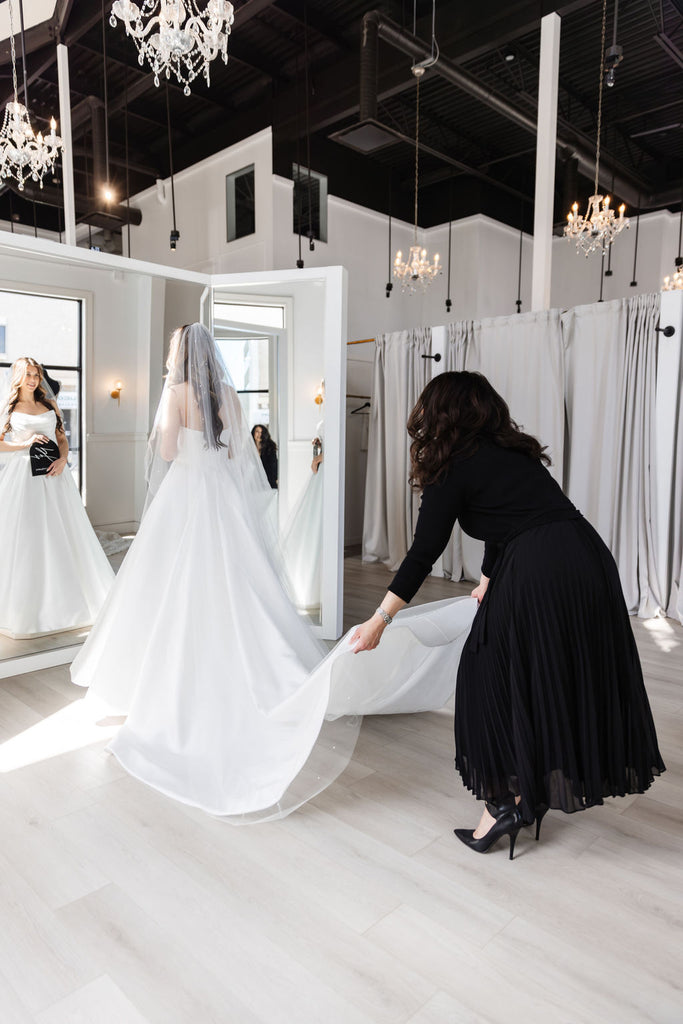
[508, 823]
[541, 812]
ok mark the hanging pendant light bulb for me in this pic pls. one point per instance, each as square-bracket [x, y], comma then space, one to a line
[23, 154]
[599, 226]
[417, 271]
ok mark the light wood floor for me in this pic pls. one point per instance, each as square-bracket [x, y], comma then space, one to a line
[118, 906]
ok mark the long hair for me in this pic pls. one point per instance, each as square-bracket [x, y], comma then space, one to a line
[192, 357]
[455, 412]
[19, 367]
[267, 443]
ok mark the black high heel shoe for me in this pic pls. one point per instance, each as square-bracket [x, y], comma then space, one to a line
[539, 814]
[508, 823]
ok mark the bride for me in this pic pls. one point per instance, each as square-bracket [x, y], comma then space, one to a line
[231, 704]
[199, 643]
[55, 576]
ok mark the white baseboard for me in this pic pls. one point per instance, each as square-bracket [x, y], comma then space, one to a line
[43, 659]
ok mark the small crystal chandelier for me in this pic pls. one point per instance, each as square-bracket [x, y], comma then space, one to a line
[598, 228]
[416, 272]
[179, 38]
[23, 154]
[674, 283]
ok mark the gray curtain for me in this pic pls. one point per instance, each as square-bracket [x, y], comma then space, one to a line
[675, 597]
[459, 339]
[522, 356]
[399, 376]
[611, 365]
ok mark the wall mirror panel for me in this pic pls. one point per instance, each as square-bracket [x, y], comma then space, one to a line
[96, 321]
[307, 309]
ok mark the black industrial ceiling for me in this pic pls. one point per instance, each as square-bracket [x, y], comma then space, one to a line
[477, 156]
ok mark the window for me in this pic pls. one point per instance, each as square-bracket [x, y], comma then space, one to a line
[48, 328]
[241, 203]
[310, 203]
[251, 360]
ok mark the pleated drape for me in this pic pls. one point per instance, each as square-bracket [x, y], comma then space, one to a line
[611, 376]
[399, 376]
[522, 356]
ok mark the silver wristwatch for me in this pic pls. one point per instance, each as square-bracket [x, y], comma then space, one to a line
[385, 615]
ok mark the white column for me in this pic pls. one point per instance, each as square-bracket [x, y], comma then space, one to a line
[67, 154]
[546, 136]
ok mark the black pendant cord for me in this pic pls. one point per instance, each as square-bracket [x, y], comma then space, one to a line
[449, 302]
[125, 134]
[602, 271]
[106, 97]
[679, 259]
[175, 234]
[609, 271]
[23, 51]
[518, 300]
[311, 243]
[23, 67]
[390, 284]
[634, 282]
[297, 186]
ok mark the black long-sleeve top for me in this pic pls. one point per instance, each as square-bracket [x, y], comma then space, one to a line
[491, 493]
[269, 460]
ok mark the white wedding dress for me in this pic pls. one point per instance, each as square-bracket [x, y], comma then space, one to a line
[53, 573]
[232, 705]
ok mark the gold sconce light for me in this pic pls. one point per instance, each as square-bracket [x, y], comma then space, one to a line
[116, 391]
[320, 394]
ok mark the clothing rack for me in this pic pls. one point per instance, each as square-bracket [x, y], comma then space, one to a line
[363, 341]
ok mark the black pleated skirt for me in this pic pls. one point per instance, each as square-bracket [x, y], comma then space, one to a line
[550, 701]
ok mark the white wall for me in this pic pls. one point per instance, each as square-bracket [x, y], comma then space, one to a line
[201, 214]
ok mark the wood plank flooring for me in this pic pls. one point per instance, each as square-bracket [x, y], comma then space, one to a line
[118, 906]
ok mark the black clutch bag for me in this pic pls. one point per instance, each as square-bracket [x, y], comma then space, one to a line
[43, 454]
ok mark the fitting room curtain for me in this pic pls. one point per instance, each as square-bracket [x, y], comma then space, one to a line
[675, 604]
[399, 375]
[611, 368]
[522, 356]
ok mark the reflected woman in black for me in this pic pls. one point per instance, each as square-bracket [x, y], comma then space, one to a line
[267, 449]
[550, 705]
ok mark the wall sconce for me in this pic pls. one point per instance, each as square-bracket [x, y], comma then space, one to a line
[319, 395]
[116, 391]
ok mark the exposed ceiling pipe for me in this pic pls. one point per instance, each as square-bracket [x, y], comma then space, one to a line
[86, 212]
[377, 26]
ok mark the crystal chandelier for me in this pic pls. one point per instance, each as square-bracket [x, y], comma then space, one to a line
[24, 155]
[416, 272]
[599, 226]
[674, 283]
[179, 38]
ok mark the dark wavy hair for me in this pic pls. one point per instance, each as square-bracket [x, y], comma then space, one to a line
[455, 412]
[267, 443]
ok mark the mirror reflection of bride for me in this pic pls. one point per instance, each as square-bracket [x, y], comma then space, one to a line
[55, 576]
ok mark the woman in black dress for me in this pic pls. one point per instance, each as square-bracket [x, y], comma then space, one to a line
[267, 449]
[550, 707]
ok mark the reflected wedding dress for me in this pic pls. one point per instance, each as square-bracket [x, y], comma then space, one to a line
[53, 573]
[303, 541]
[231, 704]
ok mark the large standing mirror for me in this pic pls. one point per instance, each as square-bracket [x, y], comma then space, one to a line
[283, 337]
[95, 320]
